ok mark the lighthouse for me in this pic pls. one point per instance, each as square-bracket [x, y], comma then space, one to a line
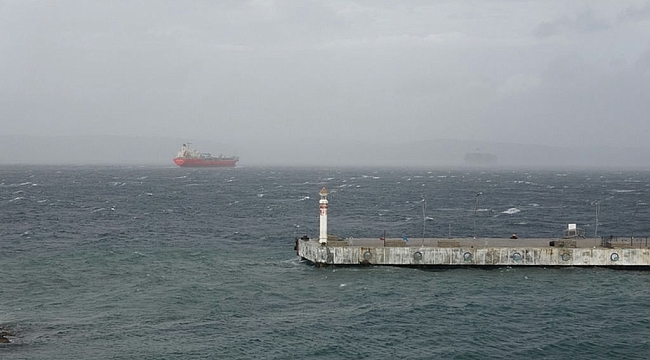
[322, 204]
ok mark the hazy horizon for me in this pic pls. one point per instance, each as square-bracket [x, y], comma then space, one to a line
[433, 154]
[302, 81]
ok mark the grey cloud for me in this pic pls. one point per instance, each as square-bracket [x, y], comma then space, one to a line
[635, 13]
[584, 22]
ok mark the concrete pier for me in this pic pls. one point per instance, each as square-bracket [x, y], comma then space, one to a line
[572, 249]
[474, 252]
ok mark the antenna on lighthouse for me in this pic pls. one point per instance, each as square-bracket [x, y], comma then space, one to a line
[322, 204]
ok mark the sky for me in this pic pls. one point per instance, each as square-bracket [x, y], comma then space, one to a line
[547, 72]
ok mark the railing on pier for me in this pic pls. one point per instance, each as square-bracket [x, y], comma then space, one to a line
[631, 242]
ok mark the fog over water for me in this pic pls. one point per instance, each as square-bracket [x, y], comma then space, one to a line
[421, 83]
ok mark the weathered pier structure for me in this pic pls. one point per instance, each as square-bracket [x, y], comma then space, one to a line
[571, 249]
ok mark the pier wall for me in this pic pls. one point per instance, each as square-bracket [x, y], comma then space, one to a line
[472, 256]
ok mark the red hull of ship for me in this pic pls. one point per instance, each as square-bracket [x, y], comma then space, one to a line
[183, 162]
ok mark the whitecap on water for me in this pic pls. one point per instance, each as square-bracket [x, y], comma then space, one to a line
[511, 211]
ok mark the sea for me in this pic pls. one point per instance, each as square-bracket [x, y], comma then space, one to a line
[160, 262]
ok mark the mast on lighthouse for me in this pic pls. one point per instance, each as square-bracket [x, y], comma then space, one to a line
[322, 204]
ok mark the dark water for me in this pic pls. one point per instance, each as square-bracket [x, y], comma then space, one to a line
[170, 263]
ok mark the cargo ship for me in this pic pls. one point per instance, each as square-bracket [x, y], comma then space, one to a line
[188, 157]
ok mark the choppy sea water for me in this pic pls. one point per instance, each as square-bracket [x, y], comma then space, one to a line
[171, 263]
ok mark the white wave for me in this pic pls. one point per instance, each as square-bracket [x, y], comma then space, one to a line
[622, 191]
[511, 211]
[260, 195]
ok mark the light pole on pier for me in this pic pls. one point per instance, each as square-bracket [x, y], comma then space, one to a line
[636, 209]
[424, 218]
[475, 209]
[597, 204]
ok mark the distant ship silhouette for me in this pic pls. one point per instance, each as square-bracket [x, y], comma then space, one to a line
[480, 158]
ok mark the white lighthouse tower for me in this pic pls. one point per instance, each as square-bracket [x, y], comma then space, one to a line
[322, 204]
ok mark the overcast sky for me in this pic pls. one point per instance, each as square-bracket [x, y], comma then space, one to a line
[546, 72]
